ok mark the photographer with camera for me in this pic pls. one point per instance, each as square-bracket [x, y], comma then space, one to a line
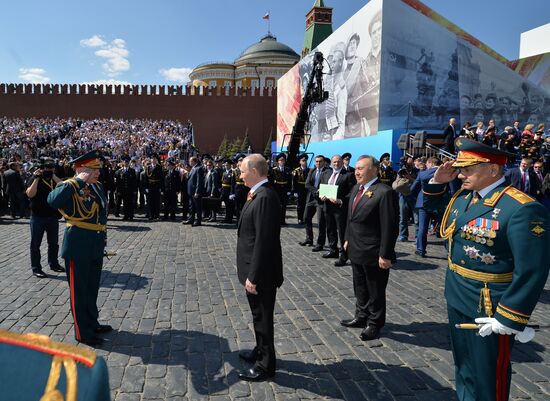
[402, 185]
[43, 217]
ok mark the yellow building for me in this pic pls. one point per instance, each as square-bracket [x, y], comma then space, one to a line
[260, 65]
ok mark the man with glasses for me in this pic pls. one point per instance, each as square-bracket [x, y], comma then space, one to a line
[497, 242]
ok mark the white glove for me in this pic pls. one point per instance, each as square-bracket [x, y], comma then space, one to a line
[296, 194]
[231, 197]
[288, 194]
[491, 325]
[526, 335]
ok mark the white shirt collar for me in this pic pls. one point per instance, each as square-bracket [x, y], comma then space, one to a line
[368, 184]
[488, 189]
[258, 185]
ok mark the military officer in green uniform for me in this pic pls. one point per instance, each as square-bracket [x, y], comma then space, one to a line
[498, 239]
[81, 201]
[281, 179]
[299, 175]
[240, 191]
[36, 368]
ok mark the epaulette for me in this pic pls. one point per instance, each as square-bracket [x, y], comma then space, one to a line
[42, 343]
[495, 197]
[518, 195]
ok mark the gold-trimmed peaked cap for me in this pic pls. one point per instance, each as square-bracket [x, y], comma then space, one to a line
[89, 160]
[471, 152]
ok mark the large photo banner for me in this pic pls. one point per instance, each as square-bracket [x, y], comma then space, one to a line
[351, 76]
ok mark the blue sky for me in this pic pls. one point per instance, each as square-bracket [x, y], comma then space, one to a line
[158, 42]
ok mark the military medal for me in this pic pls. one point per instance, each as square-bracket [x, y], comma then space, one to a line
[490, 242]
[487, 258]
[496, 211]
[471, 252]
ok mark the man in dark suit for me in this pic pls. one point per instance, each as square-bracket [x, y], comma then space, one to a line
[126, 184]
[299, 176]
[449, 136]
[336, 209]
[260, 263]
[212, 185]
[371, 233]
[172, 185]
[195, 189]
[315, 206]
[524, 178]
[14, 189]
[424, 215]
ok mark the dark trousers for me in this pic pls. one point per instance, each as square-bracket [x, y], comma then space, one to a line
[51, 226]
[195, 209]
[262, 306]
[153, 201]
[84, 276]
[424, 218]
[406, 211]
[128, 205]
[170, 204]
[336, 225]
[309, 213]
[283, 198]
[482, 364]
[229, 206]
[17, 203]
[301, 204]
[369, 287]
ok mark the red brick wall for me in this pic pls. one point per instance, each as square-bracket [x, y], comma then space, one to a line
[213, 114]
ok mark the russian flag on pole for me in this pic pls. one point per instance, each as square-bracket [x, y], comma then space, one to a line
[266, 16]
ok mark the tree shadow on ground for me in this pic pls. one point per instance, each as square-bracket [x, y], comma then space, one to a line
[126, 281]
[213, 368]
[436, 335]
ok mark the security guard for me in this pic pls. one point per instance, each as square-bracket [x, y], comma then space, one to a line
[240, 190]
[386, 175]
[81, 201]
[498, 239]
[172, 185]
[59, 371]
[281, 180]
[228, 187]
[299, 175]
[126, 184]
[154, 182]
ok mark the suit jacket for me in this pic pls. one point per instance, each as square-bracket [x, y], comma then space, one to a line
[259, 256]
[172, 181]
[13, 182]
[514, 175]
[373, 226]
[312, 198]
[449, 136]
[212, 183]
[345, 182]
[195, 181]
[126, 181]
[423, 176]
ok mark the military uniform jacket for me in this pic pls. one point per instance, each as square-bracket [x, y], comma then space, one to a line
[84, 209]
[172, 181]
[281, 180]
[299, 176]
[126, 181]
[503, 241]
[228, 182]
[240, 190]
[154, 177]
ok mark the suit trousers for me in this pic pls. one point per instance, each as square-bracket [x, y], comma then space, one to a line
[369, 287]
[262, 307]
[336, 226]
[195, 209]
[170, 204]
[153, 200]
[482, 364]
[301, 204]
[309, 213]
[128, 205]
[424, 218]
[39, 225]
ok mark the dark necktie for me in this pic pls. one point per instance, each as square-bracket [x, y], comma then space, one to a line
[317, 178]
[357, 198]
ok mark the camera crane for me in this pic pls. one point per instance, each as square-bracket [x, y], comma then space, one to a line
[314, 93]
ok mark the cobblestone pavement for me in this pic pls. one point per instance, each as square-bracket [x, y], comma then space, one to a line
[181, 316]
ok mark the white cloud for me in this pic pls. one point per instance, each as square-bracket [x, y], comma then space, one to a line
[115, 54]
[94, 41]
[176, 74]
[34, 75]
[106, 82]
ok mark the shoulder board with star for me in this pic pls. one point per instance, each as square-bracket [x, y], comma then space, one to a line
[518, 195]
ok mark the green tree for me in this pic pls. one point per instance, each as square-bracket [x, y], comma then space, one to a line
[267, 150]
[246, 142]
[224, 147]
[235, 147]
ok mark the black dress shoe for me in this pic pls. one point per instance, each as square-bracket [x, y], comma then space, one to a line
[58, 269]
[103, 328]
[187, 222]
[248, 356]
[92, 342]
[340, 263]
[370, 333]
[39, 274]
[354, 323]
[317, 248]
[256, 375]
[420, 253]
[196, 224]
[331, 255]
[306, 242]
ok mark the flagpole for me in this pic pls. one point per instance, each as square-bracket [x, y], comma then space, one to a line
[269, 23]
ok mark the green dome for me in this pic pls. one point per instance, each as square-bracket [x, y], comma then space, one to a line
[268, 47]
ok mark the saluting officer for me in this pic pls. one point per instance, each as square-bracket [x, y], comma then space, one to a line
[240, 190]
[281, 180]
[228, 187]
[172, 185]
[299, 175]
[498, 239]
[81, 201]
[154, 180]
